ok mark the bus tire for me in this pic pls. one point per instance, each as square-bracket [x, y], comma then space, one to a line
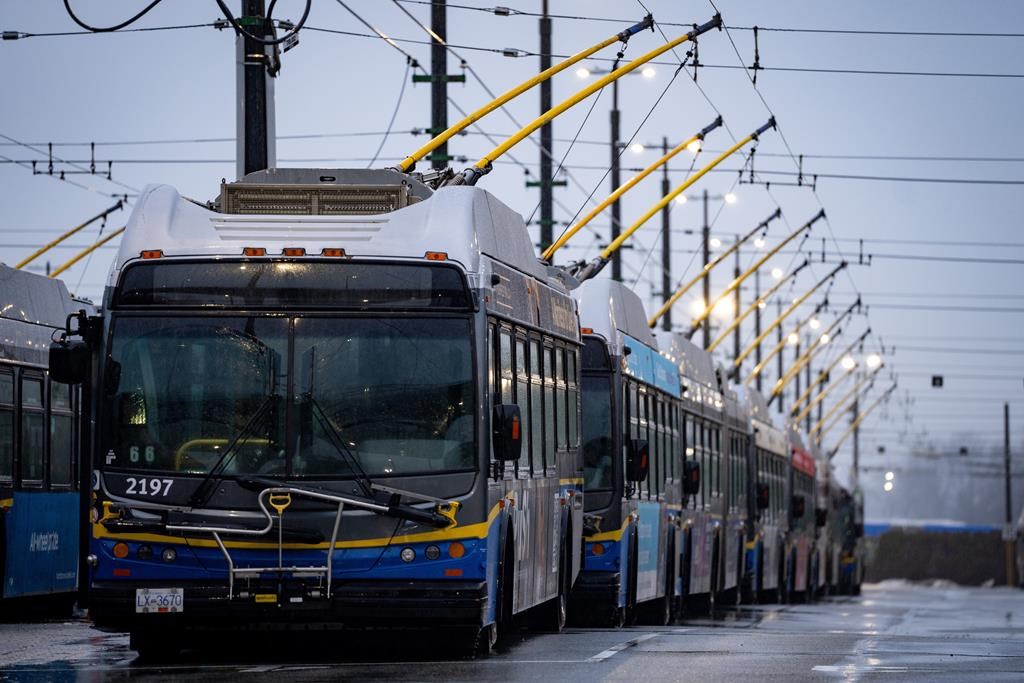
[631, 582]
[154, 646]
[506, 626]
[552, 615]
[659, 612]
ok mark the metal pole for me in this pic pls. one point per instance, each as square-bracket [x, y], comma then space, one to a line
[707, 278]
[439, 81]
[1008, 537]
[778, 335]
[666, 244]
[255, 91]
[546, 188]
[798, 394]
[796, 359]
[856, 442]
[616, 207]
[757, 324]
[736, 312]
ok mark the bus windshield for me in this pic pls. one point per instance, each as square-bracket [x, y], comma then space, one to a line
[597, 432]
[296, 397]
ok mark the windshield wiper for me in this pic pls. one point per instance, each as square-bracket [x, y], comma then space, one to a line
[364, 481]
[204, 490]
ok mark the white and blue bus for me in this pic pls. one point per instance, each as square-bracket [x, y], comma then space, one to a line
[635, 473]
[332, 397]
[39, 492]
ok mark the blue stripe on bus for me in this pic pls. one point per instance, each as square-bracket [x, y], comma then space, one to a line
[880, 528]
[647, 365]
[41, 556]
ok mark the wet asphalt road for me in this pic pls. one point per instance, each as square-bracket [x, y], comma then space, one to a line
[893, 632]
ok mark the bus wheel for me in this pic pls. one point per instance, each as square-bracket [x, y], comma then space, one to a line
[552, 615]
[506, 626]
[659, 612]
[154, 646]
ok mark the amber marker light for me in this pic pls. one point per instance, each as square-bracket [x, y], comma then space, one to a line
[293, 251]
[254, 251]
[436, 256]
[333, 252]
[152, 253]
[120, 550]
[456, 550]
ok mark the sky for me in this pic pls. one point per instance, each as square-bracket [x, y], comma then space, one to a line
[929, 315]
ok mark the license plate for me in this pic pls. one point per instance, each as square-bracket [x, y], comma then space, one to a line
[159, 600]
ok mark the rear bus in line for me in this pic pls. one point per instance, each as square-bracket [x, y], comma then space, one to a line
[801, 559]
[331, 398]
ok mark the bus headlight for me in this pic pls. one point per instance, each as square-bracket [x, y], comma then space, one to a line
[407, 554]
[169, 555]
[432, 552]
[144, 552]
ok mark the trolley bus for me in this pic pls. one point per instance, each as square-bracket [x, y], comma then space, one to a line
[800, 557]
[703, 543]
[39, 499]
[768, 463]
[634, 474]
[332, 397]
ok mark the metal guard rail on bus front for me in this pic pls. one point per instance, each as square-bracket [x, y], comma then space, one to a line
[443, 517]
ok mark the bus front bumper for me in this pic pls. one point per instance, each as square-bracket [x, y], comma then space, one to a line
[353, 604]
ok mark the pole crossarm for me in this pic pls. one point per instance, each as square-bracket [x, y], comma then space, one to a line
[777, 349]
[625, 187]
[820, 429]
[47, 247]
[409, 163]
[738, 362]
[856, 423]
[762, 226]
[482, 167]
[82, 254]
[709, 306]
[833, 331]
[594, 267]
[823, 375]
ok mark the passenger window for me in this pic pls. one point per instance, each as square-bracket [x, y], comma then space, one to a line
[33, 441]
[549, 407]
[523, 400]
[505, 355]
[6, 425]
[490, 364]
[537, 415]
[560, 388]
[574, 406]
[60, 450]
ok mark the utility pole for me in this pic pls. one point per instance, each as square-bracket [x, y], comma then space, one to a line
[796, 359]
[809, 380]
[616, 208]
[666, 244]
[736, 272]
[757, 325]
[1008, 536]
[255, 135]
[546, 187]
[438, 81]
[706, 325]
[856, 442]
[778, 335]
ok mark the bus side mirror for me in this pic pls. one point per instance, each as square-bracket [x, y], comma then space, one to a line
[637, 460]
[691, 477]
[506, 432]
[820, 516]
[764, 498]
[69, 362]
[797, 506]
[858, 530]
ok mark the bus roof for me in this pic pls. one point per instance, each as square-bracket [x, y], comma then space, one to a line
[466, 223]
[31, 308]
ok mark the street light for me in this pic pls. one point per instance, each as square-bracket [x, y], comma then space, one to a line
[777, 273]
[873, 361]
[848, 363]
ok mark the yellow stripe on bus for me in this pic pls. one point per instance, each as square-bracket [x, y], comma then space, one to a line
[478, 530]
[613, 535]
[6, 503]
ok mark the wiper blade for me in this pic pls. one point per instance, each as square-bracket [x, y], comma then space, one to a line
[204, 490]
[364, 481]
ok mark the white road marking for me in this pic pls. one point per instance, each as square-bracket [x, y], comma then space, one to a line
[632, 642]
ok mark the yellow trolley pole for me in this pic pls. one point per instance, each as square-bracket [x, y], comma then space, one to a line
[823, 375]
[762, 226]
[763, 299]
[819, 429]
[625, 187]
[798, 415]
[482, 167]
[785, 314]
[594, 267]
[709, 306]
[856, 423]
[777, 349]
[409, 163]
[39, 252]
[82, 254]
[812, 349]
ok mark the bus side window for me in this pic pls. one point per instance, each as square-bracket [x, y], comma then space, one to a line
[523, 400]
[560, 394]
[573, 399]
[6, 424]
[505, 358]
[33, 443]
[61, 436]
[537, 415]
[490, 364]
[549, 406]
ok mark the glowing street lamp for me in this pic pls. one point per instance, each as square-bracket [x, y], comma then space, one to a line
[848, 363]
[873, 361]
